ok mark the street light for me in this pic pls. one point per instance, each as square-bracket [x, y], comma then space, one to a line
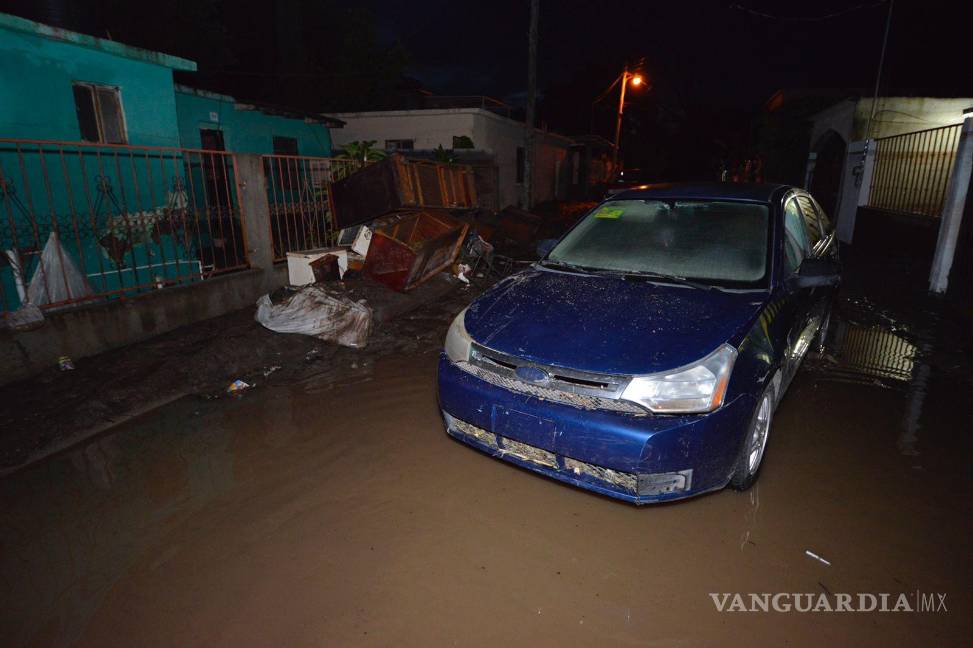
[636, 80]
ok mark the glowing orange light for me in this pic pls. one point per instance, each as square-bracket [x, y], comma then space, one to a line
[637, 80]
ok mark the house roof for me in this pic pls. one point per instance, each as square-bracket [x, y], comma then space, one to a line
[431, 112]
[268, 109]
[15, 23]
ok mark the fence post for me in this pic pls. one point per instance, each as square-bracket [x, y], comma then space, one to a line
[952, 217]
[252, 192]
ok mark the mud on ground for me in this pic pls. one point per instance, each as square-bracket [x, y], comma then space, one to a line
[57, 408]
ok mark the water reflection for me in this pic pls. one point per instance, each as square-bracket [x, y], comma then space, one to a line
[863, 353]
[77, 522]
[870, 347]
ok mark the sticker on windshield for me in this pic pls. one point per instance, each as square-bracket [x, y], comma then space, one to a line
[610, 212]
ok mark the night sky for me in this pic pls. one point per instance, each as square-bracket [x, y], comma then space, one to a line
[712, 65]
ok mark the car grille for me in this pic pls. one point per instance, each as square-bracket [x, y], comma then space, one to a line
[529, 453]
[585, 390]
[488, 439]
[627, 482]
[624, 480]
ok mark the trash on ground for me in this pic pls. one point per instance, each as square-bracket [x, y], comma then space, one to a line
[816, 557]
[408, 249]
[519, 225]
[319, 311]
[356, 238]
[397, 184]
[462, 271]
[301, 269]
[64, 363]
[326, 268]
[237, 386]
[25, 318]
[270, 370]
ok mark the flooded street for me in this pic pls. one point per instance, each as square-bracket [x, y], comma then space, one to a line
[308, 514]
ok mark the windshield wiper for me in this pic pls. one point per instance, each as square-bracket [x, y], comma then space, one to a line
[561, 265]
[659, 276]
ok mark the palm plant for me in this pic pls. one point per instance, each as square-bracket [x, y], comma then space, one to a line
[363, 152]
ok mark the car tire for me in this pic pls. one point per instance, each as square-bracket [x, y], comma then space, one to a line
[754, 446]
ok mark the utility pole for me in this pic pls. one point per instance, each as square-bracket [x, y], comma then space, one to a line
[618, 120]
[528, 196]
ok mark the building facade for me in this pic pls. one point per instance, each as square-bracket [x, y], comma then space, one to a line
[904, 169]
[105, 168]
[60, 85]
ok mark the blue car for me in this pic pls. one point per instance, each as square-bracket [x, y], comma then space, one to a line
[644, 356]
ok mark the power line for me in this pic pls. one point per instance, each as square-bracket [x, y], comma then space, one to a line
[761, 14]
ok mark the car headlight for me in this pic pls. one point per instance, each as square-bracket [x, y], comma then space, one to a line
[458, 341]
[699, 387]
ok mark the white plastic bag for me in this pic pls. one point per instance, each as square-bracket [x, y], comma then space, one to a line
[315, 311]
[56, 278]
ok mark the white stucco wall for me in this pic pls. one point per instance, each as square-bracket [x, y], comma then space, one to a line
[898, 115]
[893, 116]
[428, 128]
[491, 133]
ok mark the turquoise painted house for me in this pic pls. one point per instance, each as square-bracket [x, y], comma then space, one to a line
[249, 128]
[101, 166]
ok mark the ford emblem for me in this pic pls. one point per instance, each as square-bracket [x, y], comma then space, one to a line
[532, 374]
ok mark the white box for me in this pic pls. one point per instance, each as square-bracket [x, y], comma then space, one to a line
[299, 271]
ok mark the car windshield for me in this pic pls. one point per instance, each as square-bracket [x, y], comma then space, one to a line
[709, 241]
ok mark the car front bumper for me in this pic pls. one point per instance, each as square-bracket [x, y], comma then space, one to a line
[636, 458]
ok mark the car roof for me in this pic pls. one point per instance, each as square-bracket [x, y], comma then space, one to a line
[741, 191]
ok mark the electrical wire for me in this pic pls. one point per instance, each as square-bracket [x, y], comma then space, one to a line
[761, 14]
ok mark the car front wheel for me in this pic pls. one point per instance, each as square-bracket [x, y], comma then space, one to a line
[755, 444]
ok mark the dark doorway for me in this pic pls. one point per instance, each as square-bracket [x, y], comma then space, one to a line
[826, 180]
[214, 168]
[226, 234]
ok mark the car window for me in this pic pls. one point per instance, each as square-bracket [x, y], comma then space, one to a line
[795, 237]
[813, 227]
[718, 241]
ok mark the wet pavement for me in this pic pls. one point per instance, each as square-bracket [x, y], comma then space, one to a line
[318, 514]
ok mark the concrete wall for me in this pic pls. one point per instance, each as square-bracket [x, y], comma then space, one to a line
[244, 130]
[86, 331]
[502, 137]
[893, 116]
[427, 128]
[491, 133]
[36, 75]
[898, 115]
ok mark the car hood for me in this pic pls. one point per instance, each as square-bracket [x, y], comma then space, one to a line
[608, 324]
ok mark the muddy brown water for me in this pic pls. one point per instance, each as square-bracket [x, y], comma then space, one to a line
[320, 515]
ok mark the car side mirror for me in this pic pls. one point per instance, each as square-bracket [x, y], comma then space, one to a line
[816, 272]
